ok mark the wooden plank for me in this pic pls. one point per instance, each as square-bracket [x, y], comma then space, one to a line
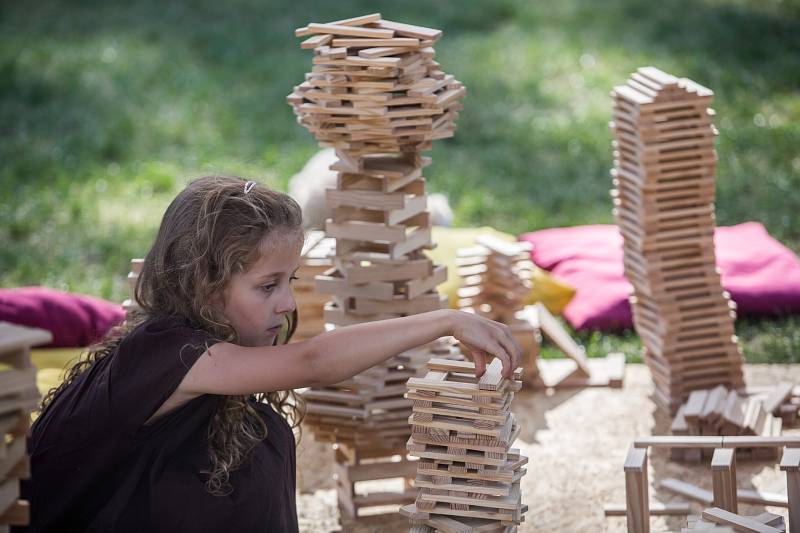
[14, 337]
[408, 30]
[14, 382]
[791, 441]
[316, 40]
[687, 490]
[762, 498]
[511, 502]
[780, 394]
[367, 43]
[790, 463]
[740, 523]
[492, 378]
[663, 441]
[558, 335]
[636, 491]
[355, 21]
[723, 471]
[507, 248]
[656, 509]
[383, 51]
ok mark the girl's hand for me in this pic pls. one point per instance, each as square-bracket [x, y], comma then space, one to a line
[484, 338]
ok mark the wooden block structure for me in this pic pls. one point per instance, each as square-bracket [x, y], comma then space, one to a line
[366, 418]
[462, 432]
[664, 168]
[495, 278]
[316, 258]
[18, 397]
[495, 281]
[375, 88]
[720, 411]
[378, 97]
[724, 498]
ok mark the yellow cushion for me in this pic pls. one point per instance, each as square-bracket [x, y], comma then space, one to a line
[51, 364]
[554, 294]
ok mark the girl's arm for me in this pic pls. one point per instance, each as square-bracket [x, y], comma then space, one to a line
[334, 356]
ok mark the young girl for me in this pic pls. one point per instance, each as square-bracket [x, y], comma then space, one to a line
[178, 421]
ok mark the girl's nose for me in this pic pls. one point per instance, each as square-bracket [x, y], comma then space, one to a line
[286, 303]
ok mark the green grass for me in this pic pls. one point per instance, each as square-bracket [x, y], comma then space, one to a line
[108, 108]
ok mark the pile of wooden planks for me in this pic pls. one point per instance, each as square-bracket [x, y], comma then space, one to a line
[378, 97]
[18, 397]
[664, 167]
[720, 411]
[462, 431]
[495, 282]
[315, 259]
[375, 87]
[495, 278]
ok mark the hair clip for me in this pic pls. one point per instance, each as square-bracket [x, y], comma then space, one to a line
[249, 186]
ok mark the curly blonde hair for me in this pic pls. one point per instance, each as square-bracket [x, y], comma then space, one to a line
[210, 231]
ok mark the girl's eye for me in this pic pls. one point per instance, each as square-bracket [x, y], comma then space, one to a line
[268, 288]
[293, 278]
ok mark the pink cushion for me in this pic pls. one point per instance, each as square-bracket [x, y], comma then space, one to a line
[73, 319]
[761, 275]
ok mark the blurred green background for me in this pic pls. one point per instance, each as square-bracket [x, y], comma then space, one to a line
[108, 108]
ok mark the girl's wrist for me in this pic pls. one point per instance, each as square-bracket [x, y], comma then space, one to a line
[448, 319]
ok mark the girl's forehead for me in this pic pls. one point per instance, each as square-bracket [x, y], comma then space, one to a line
[279, 253]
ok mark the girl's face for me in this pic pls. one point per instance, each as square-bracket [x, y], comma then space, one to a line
[257, 301]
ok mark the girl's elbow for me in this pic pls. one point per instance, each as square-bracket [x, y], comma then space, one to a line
[315, 367]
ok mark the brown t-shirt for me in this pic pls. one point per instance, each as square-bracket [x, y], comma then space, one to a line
[96, 466]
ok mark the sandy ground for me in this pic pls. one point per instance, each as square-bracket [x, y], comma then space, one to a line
[576, 442]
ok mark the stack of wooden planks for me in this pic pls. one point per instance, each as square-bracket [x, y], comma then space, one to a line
[379, 98]
[462, 432]
[664, 178]
[18, 397]
[495, 283]
[720, 411]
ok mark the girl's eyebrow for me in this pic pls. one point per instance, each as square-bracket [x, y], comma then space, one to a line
[269, 275]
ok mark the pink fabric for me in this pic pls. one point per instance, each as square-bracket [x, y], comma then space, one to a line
[761, 275]
[73, 319]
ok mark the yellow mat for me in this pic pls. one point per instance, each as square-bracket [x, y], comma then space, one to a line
[51, 364]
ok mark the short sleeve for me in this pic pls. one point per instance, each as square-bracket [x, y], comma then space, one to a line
[149, 365]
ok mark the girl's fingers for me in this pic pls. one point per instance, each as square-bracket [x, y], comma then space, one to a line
[488, 338]
[479, 357]
[510, 348]
[500, 353]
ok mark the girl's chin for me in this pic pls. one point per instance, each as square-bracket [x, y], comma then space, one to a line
[268, 339]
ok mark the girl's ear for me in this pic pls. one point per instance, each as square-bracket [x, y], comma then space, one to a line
[218, 299]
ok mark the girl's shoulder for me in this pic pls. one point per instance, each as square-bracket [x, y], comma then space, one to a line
[161, 342]
[158, 329]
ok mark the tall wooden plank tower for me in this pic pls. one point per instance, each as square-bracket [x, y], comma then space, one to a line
[378, 97]
[664, 179]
